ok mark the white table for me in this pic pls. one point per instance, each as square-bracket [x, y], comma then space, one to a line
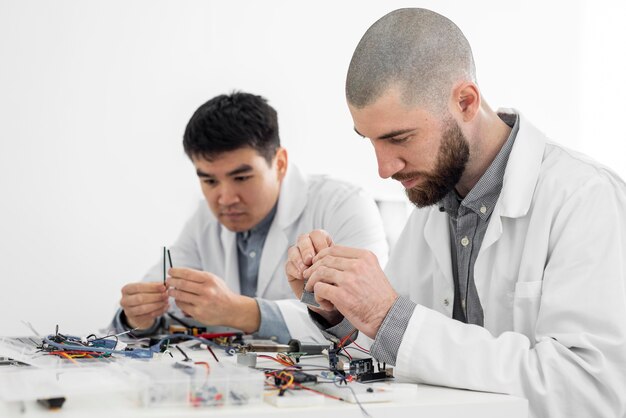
[431, 401]
[423, 401]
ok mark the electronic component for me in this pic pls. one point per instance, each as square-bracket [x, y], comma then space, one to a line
[52, 403]
[363, 370]
[333, 358]
[298, 377]
[247, 359]
[306, 348]
[309, 299]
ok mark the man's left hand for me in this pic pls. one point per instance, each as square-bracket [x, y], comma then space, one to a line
[207, 299]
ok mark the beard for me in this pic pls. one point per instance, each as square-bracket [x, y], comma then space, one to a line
[452, 158]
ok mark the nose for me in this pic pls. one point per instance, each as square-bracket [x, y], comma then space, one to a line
[388, 162]
[227, 195]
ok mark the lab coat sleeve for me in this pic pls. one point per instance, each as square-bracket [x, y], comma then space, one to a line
[295, 314]
[575, 366]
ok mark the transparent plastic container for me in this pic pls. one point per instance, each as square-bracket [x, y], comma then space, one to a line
[199, 385]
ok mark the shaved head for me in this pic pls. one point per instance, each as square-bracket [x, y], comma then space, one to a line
[417, 51]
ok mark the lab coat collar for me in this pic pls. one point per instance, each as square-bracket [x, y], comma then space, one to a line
[291, 204]
[522, 170]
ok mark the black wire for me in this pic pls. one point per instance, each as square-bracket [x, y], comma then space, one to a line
[180, 321]
[183, 353]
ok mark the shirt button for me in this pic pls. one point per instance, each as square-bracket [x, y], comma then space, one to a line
[463, 304]
[252, 254]
[483, 209]
[464, 241]
[446, 302]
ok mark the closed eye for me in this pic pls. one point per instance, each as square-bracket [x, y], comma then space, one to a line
[241, 178]
[399, 140]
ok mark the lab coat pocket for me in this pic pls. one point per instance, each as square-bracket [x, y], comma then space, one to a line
[526, 303]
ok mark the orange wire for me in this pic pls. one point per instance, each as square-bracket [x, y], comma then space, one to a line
[64, 354]
[344, 339]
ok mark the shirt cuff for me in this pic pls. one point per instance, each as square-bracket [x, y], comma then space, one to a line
[120, 325]
[333, 333]
[272, 322]
[389, 336]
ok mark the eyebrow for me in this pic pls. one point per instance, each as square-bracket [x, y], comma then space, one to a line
[244, 168]
[389, 134]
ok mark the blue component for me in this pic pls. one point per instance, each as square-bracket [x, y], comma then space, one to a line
[139, 353]
[110, 344]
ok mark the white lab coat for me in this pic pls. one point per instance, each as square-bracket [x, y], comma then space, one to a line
[305, 203]
[550, 275]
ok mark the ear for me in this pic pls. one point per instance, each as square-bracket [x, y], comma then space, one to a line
[466, 100]
[281, 161]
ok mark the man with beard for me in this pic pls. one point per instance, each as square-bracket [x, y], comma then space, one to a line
[510, 274]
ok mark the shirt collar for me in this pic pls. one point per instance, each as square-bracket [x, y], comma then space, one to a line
[484, 195]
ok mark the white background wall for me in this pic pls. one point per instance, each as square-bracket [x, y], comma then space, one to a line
[94, 97]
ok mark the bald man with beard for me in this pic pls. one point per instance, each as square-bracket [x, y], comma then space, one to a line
[510, 273]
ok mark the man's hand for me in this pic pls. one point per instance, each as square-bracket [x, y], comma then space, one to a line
[299, 258]
[143, 302]
[206, 298]
[351, 279]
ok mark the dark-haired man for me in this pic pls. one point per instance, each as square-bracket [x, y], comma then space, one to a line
[510, 275]
[229, 257]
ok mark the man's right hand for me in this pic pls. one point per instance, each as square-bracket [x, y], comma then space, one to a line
[143, 302]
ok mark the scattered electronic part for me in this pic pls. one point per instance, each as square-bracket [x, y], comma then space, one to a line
[309, 299]
[363, 371]
[298, 377]
[52, 403]
[246, 359]
[333, 358]
[306, 348]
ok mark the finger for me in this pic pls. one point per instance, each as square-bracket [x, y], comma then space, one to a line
[143, 299]
[294, 257]
[320, 239]
[184, 285]
[337, 263]
[143, 287]
[325, 275]
[188, 274]
[341, 251]
[306, 248]
[143, 321]
[293, 273]
[145, 309]
[184, 297]
[325, 295]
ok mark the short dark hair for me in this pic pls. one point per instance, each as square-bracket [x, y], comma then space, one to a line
[232, 121]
